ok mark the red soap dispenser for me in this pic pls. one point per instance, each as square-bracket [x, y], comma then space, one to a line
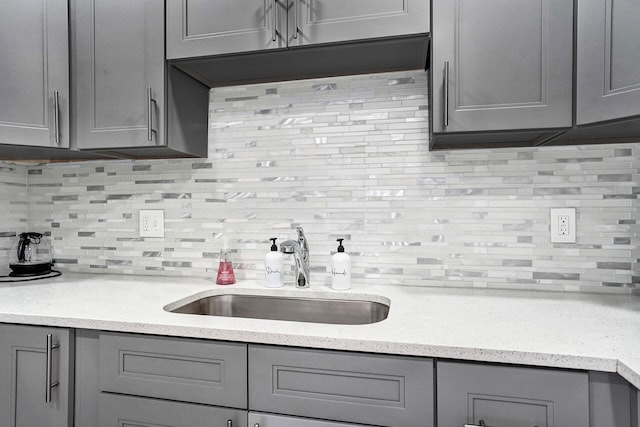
[225, 270]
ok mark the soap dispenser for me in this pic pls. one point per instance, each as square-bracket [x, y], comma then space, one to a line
[340, 269]
[274, 265]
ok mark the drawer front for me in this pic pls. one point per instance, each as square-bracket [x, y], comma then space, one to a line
[189, 370]
[470, 394]
[131, 411]
[267, 420]
[342, 386]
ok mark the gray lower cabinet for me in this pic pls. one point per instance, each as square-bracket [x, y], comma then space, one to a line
[34, 88]
[204, 28]
[257, 419]
[501, 65]
[608, 60]
[125, 98]
[131, 411]
[613, 402]
[195, 371]
[36, 373]
[370, 389]
[476, 394]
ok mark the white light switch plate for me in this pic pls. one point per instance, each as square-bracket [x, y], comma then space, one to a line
[151, 223]
[563, 225]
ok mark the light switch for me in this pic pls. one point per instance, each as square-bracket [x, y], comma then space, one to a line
[151, 223]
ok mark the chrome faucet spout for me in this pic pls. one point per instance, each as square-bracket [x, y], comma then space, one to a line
[300, 251]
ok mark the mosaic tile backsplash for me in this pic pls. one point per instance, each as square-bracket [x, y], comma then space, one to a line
[348, 158]
[13, 209]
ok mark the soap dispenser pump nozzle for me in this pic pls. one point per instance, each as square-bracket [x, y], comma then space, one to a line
[274, 247]
[340, 247]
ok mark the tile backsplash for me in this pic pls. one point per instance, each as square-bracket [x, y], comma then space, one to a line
[345, 157]
[13, 209]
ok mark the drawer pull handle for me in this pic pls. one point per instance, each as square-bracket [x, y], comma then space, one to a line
[445, 98]
[56, 116]
[273, 32]
[481, 424]
[229, 423]
[295, 15]
[150, 102]
[256, 425]
[50, 347]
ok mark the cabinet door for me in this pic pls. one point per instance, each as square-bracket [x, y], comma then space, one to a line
[266, 420]
[199, 371]
[612, 401]
[34, 88]
[325, 21]
[130, 411]
[509, 64]
[23, 375]
[359, 388]
[475, 394]
[608, 60]
[202, 27]
[118, 68]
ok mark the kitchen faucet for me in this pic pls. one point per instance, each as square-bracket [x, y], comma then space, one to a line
[300, 250]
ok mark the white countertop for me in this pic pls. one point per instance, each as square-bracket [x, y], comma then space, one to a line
[579, 331]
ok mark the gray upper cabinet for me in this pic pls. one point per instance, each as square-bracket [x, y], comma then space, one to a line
[327, 21]
[501, 65]
[36, 375]
[608, 60]
[118, 69]
[34, 88]
[204, 28]
[475, 395]
[127, 101]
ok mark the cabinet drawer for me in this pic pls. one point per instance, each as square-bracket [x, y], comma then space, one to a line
[511, 396]
[343, 386]
[189, 370]
[130, 411]
[267, 420]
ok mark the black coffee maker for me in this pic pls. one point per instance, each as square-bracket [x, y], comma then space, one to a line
[31, 255]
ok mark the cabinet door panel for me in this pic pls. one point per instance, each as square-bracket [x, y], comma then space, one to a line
[23, 365]
[130, 411]
[119, 54]
[511, 396]
[35, 64]
[196, 371]
[510, 64]
[359, 388]
[325, 21]
[608, 60]
[203, 28]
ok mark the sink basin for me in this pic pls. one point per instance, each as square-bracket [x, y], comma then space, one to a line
[315, 310]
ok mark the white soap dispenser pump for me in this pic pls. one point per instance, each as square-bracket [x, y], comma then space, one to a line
[274, 265]
[340, 269]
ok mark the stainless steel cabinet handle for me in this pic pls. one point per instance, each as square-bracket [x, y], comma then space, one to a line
[295, 17]
[476, 425]
[50, 347]
[150, 102]
[273, 31]
[446, 94]
[256, 425]
[229, 423]
[56, 116]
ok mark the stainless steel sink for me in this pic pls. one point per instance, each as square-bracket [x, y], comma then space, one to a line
[315, 310]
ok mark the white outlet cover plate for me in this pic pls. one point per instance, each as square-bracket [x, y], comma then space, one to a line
[151, 223]
[554, 220]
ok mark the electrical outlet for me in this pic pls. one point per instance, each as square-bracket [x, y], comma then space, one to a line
[151, 223]
[563, 225]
